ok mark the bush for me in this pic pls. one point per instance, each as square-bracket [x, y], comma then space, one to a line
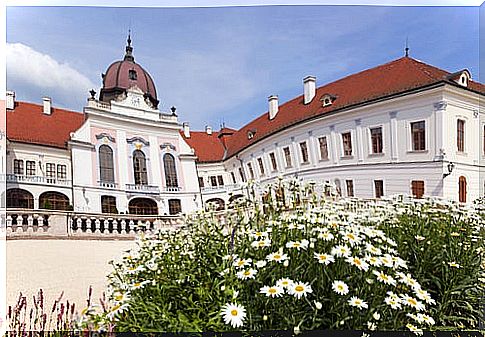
[301, 261]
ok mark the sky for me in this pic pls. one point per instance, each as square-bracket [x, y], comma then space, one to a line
[219, 65]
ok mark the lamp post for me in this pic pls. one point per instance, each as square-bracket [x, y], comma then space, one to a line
[450, 167]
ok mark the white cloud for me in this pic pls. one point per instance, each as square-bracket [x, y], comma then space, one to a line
[33, 74]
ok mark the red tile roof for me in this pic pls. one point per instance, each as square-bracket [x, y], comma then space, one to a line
[27, 123]
[208, 148]
[392, 78]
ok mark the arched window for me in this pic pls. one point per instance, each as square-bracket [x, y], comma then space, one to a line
[106, 166]
[19, 198]
[143, 206]
[140, 168]
[170, 170]
[54, 200]
[219, 203]
[462, 189]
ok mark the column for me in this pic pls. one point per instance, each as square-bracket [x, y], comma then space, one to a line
[312, 149]
[360, 140]
[295, 149]
[439, 129]
[334, 147]
[393, 136]
[155, 163]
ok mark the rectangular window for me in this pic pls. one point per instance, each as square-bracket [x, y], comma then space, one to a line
[201, 181]
[376, 139]
[418, 136]
[274, 164]
[233, 176]
[378, 188]
[350, 188]
[261, 166]
[174, 206]
[460, 135]
[213, 180]
[304, 152]
[30, 168]
[18, 166]
[322, 141]
[241, 174]
[347, 143]
[251, 172]
[50, 172]
[287, 153]
[417, 188]
[108, 204]
[220, 180]
[61, 171]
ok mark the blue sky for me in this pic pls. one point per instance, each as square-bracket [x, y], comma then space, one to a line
[221, 64]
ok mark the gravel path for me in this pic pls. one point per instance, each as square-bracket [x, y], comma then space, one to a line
[60, 265]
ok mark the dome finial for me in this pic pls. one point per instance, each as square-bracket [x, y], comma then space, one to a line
[129, 49]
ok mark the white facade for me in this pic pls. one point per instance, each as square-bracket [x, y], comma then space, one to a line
[429, 141]
[397, 165]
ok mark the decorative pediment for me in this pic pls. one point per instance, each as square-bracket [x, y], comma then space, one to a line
[135, 98]
[106, 137]
[137, 139]
[166, 146]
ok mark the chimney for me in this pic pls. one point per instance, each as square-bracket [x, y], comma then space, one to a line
[186, 129]
[10, 100]
[273, 106]
[47, 105]
[309, 88]
[208, 129]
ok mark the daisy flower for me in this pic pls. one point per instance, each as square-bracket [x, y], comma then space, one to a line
[261, 243]
[261, 264]
[258, 235]
[303, 244]
[357, 302]
[340, 251]
[233, 314]
[324, 258]
[272, 291]
[358, 262]
[427, 319]
[284, 282]
[412, 328]
[325, 236]
[424, 295]
[352, 238]
[381, 277]
[393, 303]
[386, 260]
[246, 274]
[412, 302]
[373, 260]
[277, 257]
[453, 264]
[116, 309]
[372, 249]
[299, 289]
[340, 287]
[241, 263]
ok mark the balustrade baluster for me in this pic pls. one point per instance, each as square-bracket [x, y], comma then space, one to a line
[97, 225]
[123, 227]
[88, 226]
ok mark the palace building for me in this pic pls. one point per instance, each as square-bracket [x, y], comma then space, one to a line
[404, 127]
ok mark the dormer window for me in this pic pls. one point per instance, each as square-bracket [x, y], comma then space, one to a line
[132, 74]
[251, 134]
[327, 99]
[461, 77]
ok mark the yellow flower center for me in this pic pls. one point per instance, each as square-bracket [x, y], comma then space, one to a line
[296, 244]
[351, 237]
[340, 287]
[323, 257]
[240, 263]
[137, 284]
[299, 288]
[412, 301]
[234, 312]
[247, 273]
[118, 297]
[272, 290]
[277, 256]
[357, 262]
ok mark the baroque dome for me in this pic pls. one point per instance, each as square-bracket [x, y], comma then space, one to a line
[124, 74]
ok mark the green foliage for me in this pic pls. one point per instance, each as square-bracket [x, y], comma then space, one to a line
[187, 279]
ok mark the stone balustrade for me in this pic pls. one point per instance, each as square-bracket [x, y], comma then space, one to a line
[26, 223]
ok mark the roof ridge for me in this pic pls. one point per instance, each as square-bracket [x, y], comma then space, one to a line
[420, 64]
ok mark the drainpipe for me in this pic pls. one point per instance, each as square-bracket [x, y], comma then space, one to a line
[200, 189]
